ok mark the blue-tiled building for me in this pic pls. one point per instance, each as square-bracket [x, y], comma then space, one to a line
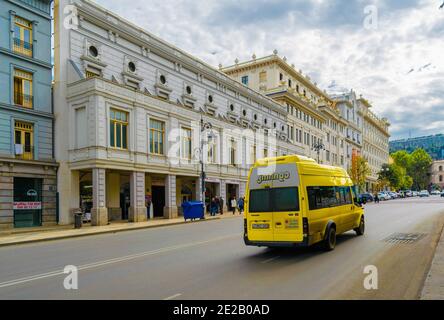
[27, 167]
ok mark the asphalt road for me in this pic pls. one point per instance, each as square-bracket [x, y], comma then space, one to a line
[209, 261]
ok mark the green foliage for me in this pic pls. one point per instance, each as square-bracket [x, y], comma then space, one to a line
[408, 170]
[419, 168]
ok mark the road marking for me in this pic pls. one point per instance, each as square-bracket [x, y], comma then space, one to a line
[270, 260]
[113, 261]
[173, 297]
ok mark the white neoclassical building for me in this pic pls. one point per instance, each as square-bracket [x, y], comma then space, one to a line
[129, 110]
[313, 118]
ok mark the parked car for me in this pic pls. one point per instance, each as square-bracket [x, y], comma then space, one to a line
[408, 193]
[436, 193]
[442, 194]
[394, 195]
[415, 193]
[383, 196]
[424, 193]
[366, 197]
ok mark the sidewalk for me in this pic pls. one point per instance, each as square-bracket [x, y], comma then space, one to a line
[434, 284]
[22, 236]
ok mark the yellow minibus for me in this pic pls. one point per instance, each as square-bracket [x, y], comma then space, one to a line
[292, 201]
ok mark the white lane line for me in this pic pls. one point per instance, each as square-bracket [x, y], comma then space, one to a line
[173, 297]
[270, 260]
[112, 261]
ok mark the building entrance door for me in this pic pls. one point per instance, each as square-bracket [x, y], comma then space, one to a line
[158, 201]
[27, 202]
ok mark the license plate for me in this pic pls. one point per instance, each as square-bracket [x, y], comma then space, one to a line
[261, 226]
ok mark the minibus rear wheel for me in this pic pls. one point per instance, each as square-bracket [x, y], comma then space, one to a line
[361, 229]
[330, 241]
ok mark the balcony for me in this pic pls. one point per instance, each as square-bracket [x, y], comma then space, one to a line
[24, 152]
[23, 100]
[22, 47]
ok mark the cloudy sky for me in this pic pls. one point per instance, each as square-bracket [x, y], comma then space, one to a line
[395, 60]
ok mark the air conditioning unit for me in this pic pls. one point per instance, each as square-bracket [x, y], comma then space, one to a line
[18, 149]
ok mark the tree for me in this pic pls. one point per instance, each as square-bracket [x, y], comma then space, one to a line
[402, 158]
[393, 175]
[359, 171]
[419, 168]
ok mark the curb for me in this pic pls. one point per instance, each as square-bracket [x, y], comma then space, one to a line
[433, 288]
[98, 232]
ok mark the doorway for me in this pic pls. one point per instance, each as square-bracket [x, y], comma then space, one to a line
[27, 202]
[125, 202]
[158, 201]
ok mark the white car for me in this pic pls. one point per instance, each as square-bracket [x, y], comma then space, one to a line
[436, 193]
[383, 196]
[424, 193]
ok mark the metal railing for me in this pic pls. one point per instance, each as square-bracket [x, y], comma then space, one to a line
[24, 100]
[22, 47]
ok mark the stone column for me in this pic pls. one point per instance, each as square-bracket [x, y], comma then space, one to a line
[99, 213]
[170, 209]
[223, 194]
[137, 211]
[242, 189]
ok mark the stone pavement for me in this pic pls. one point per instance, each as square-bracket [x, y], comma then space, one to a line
[22, 236]
[434, 284]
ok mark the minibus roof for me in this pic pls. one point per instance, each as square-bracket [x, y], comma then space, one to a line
[307, 166]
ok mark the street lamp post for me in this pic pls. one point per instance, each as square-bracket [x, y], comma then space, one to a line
[318, 147]
[204, 126]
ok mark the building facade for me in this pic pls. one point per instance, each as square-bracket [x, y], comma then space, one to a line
[312, 117]
[27, 166]
[375, 149]
[437, 174]
[141, 115]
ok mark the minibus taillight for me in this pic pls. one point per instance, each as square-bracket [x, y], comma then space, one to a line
[305, 226]
[245, 228]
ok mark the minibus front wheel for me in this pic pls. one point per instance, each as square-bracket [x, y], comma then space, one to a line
[330, 240]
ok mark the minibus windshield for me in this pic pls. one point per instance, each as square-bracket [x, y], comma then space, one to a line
[274, 200]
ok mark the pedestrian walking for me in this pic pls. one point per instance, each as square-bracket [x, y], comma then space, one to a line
[376, 198]
[233, 205]
[213, 207]
[217, 205]
[241, 203]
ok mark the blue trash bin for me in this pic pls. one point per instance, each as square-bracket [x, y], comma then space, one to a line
[193, 210]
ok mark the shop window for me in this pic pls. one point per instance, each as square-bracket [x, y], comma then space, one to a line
[118, 129]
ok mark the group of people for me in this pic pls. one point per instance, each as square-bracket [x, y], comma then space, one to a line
[217, 205]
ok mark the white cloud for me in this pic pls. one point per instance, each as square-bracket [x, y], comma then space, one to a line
[399, 67]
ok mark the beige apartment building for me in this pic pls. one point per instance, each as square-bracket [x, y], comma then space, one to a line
[376, 142]
[437, 173]
[312, 116]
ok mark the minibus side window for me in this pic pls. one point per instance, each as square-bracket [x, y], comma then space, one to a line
[322, 197]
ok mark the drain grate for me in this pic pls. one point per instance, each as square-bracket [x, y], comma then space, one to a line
[404, 238]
